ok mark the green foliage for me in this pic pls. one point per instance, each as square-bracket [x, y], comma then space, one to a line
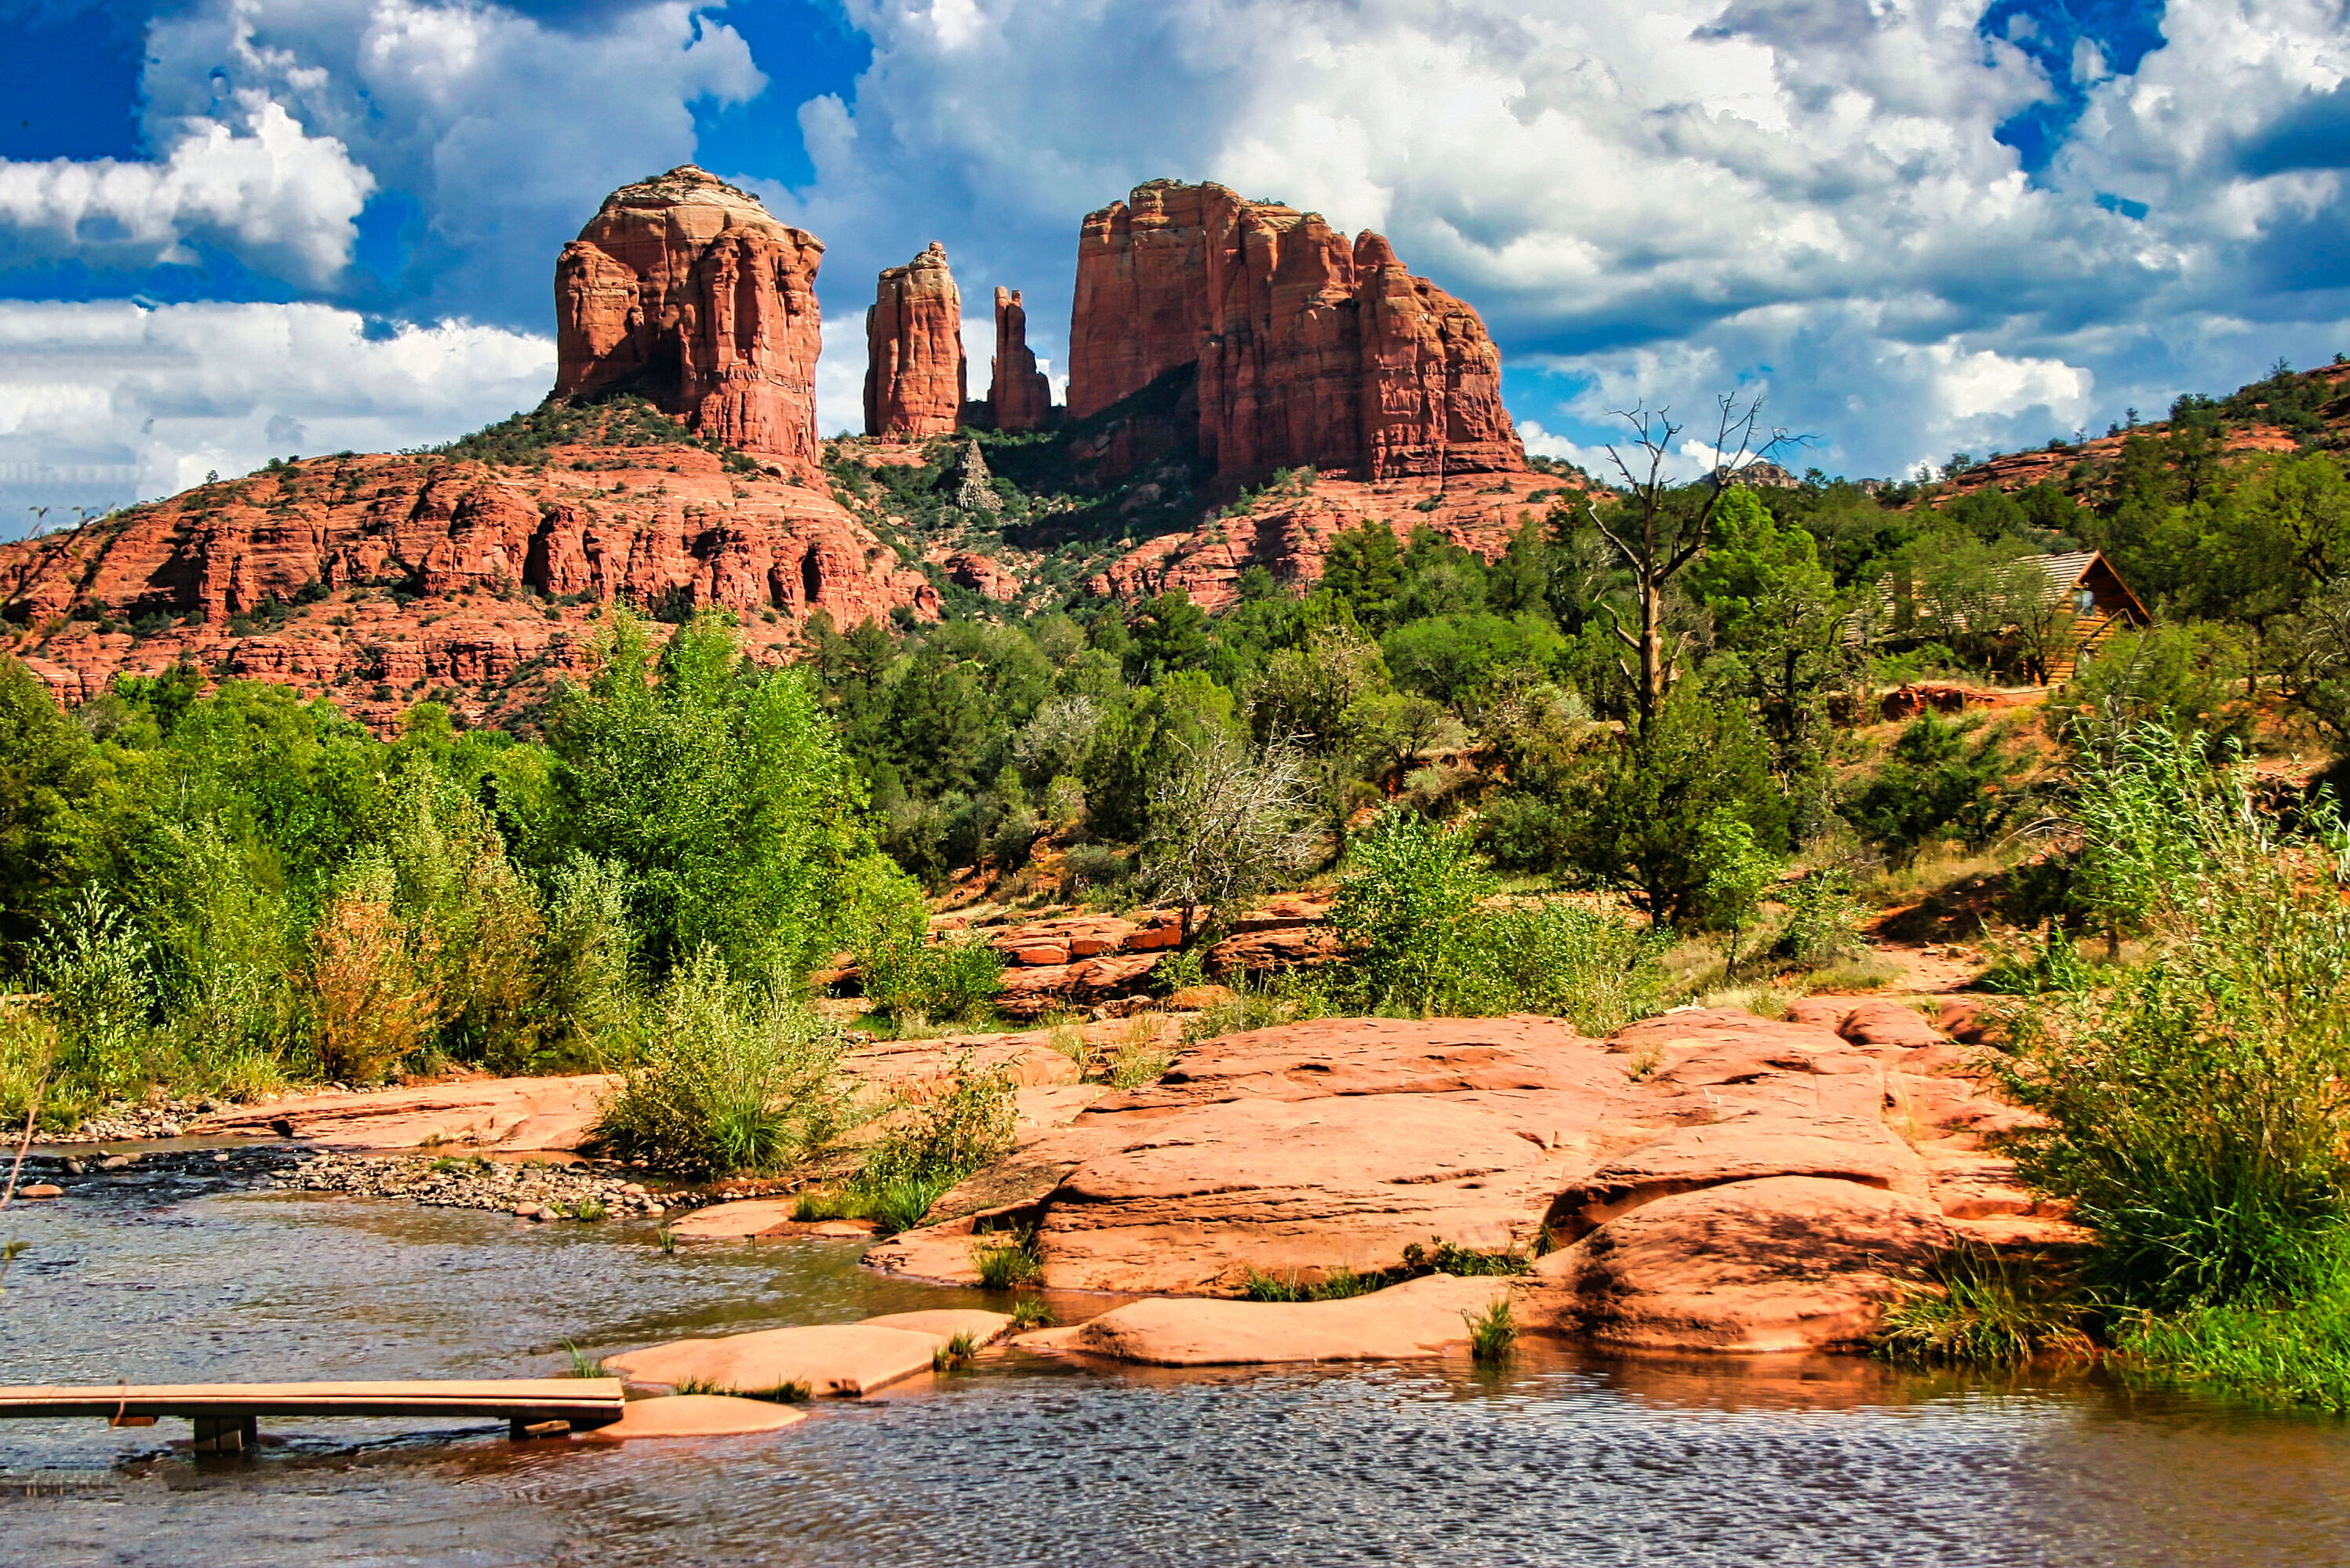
[1491, 1332]
[1698, 761]
[1031, 1311]
[95, 967]
[1933, 787]
[1007, 1260]
[735, 1077]
[919, 982]
[1404, 900]
[2197, 1113]
[1462, 1263]
[1338, 1284]
[1733, 871]
[1598, 971]
[2278, 1351]
[1822, 917]
[724, 795]
[1974, 1307]
[938, 1143]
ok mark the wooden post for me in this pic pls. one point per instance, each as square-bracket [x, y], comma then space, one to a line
[227, 1434]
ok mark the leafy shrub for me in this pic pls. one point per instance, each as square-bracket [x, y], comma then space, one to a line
[2198, 1114]
[98, 975]
[372, 996]
[1405, 898]
[944, 1141]
[1598, 971]
[1933, 787]
[1822, 917]
[733, 1078]
[921, 982]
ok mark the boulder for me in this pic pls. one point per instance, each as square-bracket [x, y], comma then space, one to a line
[1742, 1149]
[833, 1360]
[693, 1416]
[510, 1115]
[747, 1217]
[40, 1190]
[984, 1327]
[1425, 1316]
[1783, 1263]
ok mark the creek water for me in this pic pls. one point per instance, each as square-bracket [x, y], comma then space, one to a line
[157, 1275]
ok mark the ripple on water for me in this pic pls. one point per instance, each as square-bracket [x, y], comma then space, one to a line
[1561, 1459]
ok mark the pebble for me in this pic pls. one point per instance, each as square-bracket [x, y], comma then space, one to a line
[527, 1190]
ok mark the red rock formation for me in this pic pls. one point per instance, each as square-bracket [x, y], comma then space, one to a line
[1305, 350]
[1019, 396]
[915, 378]
[684, 289]
[1289, 534]
[430, 573]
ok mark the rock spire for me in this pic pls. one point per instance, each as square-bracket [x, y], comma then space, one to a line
[1298, 346]
[687, 291]
[915, 378]
[1018, 393]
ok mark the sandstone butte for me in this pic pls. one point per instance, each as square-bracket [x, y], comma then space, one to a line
[915, 378]
[1299, 347]
[1019, 396]
[684, 289]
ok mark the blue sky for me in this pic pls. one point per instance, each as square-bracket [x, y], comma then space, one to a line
[231, 229]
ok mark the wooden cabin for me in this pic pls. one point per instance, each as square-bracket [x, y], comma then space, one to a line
[2082, 585]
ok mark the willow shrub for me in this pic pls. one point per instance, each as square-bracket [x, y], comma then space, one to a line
[1410, 908]
[2197, 1111]
[937, 1143]
[734, 1076]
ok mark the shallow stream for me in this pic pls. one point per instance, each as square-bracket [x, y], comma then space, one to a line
[150, 1275]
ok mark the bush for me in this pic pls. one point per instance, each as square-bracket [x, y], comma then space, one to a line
[371, 993]
[2286, 1353]
[946, 1139]
[2198, 1114]
[1596, 972]
[1933, 787]
[733, 1078]
[921, 982]
[1404, 900]
[98, 975]
[1822, 918]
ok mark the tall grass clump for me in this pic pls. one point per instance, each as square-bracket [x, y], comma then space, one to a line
[1491, 1332]
[735, 1077]
[1971, 1306]
[937, 1143]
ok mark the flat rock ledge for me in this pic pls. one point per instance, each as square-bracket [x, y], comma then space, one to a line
[1701, 1181]
[693, 1416]
[827, 1360]
[1427, 1316]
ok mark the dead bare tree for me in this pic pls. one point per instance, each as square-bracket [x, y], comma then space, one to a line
[1667, 528]
[1228, 822]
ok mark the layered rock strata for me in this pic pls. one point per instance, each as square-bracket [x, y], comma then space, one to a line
[1019, 396]
[1711, 1182]
[688, 291]
[915, 378]
[377, 580]
[1285, 344]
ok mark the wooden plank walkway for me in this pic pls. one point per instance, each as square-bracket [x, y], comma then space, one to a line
[226, 1415]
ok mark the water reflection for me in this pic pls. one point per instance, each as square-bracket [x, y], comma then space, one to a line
[1560, 1458]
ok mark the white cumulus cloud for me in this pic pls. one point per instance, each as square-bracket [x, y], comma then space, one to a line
[256, 183]
[106, 402]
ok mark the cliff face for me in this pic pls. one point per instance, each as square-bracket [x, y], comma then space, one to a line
[915, 378]
[377, 580]
[684, 289]
[1304, 349]
[1019, 396]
